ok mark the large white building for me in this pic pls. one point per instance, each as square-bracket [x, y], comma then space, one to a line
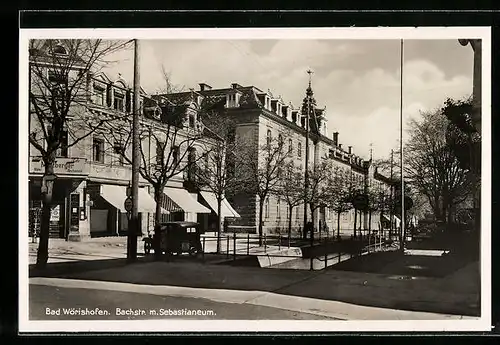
[260, 115]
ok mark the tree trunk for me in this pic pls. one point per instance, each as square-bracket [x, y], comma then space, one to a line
[158, 197]
[43, 246]
[290, 222]
[338, 224]
[261, 207]
[369, 223]
[219, 224]
[355, 221]
[312, 226]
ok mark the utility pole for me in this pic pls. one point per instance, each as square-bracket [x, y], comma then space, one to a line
[133, 227]
[402, 223]
[306, 165]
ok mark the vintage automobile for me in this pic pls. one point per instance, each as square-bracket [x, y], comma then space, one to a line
[174, 238]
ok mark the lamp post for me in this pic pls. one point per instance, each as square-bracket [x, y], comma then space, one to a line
[476, 45]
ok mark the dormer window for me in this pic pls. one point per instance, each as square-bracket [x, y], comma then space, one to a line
[60, 50]
[192, 120]
[99, 95]
[118, 102]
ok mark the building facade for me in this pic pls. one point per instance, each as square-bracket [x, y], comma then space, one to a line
[259, 116]
[91, 166]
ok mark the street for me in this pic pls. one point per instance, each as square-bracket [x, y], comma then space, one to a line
[143, 306]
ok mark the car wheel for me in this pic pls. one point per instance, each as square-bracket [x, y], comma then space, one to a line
[193, 252]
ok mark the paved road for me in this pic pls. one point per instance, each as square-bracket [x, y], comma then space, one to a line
[154, 306]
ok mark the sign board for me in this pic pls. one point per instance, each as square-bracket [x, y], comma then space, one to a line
[128, 204]
[62, 166]
[129, 191]
[75, 212]
[55, 214]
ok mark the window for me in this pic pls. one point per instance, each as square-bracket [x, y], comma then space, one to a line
[191, 164]
[98, 150]
[207, 158]
[119, 151]
[278, 208]
[175, 154]
[299, 149]
[192, 120]
[290, 147]
[269, 137]
[118, 102]
[160, 150]
[60, 50]
[266, 208]
[57, 77]
[62, 151]
[99, 95]
[287, 211]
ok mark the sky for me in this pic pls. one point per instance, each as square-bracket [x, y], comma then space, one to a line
[358, 81]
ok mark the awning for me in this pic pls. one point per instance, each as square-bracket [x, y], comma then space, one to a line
[116, 196]
[185, 201]
[226, 209]
[394, 218]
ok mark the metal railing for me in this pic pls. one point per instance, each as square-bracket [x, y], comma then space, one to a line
[325, 251]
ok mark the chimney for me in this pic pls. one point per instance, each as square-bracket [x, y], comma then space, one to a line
[336, 138]
[205, 87]
[350, 149]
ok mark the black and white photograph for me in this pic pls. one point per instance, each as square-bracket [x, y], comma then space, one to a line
[235, 180]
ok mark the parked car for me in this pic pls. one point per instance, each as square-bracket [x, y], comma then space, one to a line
[175, 238]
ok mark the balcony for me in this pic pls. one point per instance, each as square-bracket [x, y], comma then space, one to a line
[71, 167]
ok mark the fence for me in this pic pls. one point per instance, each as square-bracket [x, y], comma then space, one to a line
[321, 252]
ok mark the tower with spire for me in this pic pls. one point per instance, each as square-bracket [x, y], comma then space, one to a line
[316, 117]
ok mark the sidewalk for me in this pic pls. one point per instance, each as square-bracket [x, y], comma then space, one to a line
[331, 293]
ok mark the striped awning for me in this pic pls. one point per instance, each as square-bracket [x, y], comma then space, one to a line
[169, 204]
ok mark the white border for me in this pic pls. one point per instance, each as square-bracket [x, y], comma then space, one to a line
[481, 324]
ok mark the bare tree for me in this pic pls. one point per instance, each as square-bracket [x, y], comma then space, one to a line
[338, 197]
[169, 87]
[165, 127]
[433, 168]
[262, 170]
[291, 189]
[217, 171]
[318, 192]
[60, 116]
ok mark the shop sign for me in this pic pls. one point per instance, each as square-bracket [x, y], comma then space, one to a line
[62, 166]
[55, 214]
